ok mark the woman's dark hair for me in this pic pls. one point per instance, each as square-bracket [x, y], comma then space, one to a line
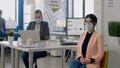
[38, 11]
[92, 17]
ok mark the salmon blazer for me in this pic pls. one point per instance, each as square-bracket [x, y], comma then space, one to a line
[94, 49]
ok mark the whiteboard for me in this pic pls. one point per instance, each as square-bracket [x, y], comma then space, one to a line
[75, 26]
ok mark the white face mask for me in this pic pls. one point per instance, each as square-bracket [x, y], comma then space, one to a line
[38, 20]
[88, 26]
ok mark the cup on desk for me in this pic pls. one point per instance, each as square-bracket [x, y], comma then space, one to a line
[29, 41]
[46, 42]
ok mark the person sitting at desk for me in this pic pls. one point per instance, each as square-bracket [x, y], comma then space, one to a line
[42, 26]
[90, 49]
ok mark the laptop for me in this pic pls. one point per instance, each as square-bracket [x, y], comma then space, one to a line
[29, 34]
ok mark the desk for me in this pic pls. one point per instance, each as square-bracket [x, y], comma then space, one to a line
[15, 48]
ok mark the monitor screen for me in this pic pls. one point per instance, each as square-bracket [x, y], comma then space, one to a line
[74, 26]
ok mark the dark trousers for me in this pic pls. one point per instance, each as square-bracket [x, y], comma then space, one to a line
[36, 55]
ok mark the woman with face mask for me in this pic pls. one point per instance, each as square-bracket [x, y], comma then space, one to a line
[90, 49]
[42, 26]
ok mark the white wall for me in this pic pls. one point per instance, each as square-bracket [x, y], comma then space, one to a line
[111, 11]
[98, 13]
[107, 10]
[113, 58]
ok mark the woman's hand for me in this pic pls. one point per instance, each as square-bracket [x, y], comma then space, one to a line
[82, 60]
[87, 61]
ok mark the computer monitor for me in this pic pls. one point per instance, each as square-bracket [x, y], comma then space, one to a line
[74, 26]
[29, 34]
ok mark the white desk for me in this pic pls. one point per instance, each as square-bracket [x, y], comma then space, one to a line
[15, 48]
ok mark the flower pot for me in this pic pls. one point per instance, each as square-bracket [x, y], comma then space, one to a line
[46, 42]
[10, 39]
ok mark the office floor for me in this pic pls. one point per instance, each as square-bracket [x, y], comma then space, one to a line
[46, 62]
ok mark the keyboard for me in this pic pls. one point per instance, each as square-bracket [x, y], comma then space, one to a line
[69, 43]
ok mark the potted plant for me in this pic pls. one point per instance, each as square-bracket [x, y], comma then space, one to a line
[61, 39]
[114, 28]
[46, 40]
[11, 36]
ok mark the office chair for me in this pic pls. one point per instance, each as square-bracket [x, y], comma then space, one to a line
[68, 54]
[104, 61]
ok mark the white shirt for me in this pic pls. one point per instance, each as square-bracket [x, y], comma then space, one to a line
[37, 27]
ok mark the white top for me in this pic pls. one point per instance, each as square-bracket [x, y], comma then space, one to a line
[37, 27]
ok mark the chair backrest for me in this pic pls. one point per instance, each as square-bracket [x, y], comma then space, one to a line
[104, 61]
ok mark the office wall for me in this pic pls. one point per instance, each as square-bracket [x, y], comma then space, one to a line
[107, 10]
[98, 13]
[113, 58]
[111, 11]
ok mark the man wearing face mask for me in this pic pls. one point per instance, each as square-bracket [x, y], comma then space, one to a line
[90, 49]
[42, 26]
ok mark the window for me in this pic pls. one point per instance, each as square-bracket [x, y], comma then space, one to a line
[9, 9]
[89, 6]
[27, 15]
[80, 8]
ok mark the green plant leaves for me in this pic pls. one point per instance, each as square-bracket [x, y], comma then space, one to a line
[46, 37]
[114, 28]
[55, 9]
[11, 32]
